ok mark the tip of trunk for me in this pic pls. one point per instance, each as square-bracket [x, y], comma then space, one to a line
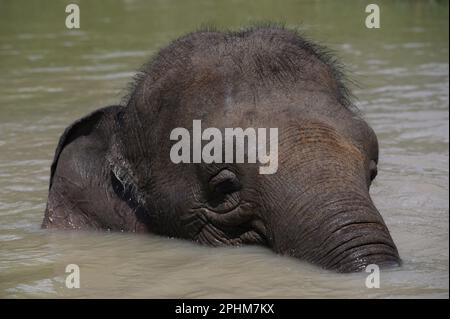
[383, 257]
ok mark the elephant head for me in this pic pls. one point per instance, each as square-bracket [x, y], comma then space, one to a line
[315, 207]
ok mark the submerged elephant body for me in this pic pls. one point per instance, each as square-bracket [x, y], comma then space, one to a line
[112, 168]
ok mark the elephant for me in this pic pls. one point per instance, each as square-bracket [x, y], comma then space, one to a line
[112, 170]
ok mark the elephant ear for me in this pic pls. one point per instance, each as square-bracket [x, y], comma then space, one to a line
[84, 192]
[81, 127]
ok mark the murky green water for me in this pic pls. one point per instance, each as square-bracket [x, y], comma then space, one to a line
[50, 76]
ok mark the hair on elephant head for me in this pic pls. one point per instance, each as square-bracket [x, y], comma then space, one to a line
[113, 170]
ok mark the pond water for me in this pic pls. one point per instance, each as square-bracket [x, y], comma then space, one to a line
[50, 76]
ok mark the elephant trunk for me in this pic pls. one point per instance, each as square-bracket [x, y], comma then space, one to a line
[344, 232]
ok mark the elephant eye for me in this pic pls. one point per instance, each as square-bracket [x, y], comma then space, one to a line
[373, 170]
[225, 182]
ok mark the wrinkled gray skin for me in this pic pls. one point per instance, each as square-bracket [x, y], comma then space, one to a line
[112, 168]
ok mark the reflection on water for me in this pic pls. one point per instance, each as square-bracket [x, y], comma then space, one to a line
[51, 76]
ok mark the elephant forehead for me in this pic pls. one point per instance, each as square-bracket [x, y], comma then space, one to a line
[311, 136]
